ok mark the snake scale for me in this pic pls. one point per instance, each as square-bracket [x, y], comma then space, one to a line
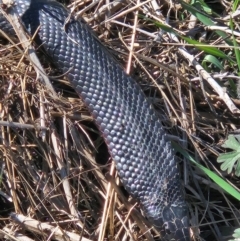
[129, 125]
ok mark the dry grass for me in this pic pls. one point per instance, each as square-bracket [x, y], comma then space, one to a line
[54, 166]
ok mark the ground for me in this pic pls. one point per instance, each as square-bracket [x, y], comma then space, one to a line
[55, 167]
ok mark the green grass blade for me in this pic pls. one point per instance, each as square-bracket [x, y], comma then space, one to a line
[218, 180]
[209, 49]
[213, 60]
[235, 5]
[200, 4]
[236, 49]
[200, 15]
[204, 18]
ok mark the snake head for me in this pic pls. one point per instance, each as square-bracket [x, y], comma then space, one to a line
[174, 223]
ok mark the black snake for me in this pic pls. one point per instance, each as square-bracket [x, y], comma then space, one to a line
[132, 131]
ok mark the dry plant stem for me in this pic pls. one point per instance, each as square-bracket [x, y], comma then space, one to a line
[112, 7]
[42, 117]
[106, 15]
[30, 190]
[108, 200]
[87, 135]
[138, 29]
[233, 15]
[127, 11]
[64, 176]
[153, 80]
[9, 234]
[124, 223]
[156, 17]
[12, 179]
[222, 94]
[114, 201]
[138, 218]
[192, 23]
[12, 17]
[132, 41]
[218, 76]
[185, 124]
[73, 116]
[11, 41]
[66, 144]
[235, 214]
[207, 182]
[209, 212]
[49, 193]
[160, 65]
[127, 232]
[78, 3]
[95, 167]
[155, 83]
[91, 5]
[156, 8]
[45, 229]
[21, 126]
[224, 29]
[192, 109]
[216, 230]
[206, 97]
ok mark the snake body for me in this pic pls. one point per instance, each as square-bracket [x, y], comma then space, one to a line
[129, 125]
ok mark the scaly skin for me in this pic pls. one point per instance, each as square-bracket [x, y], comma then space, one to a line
[129, 125]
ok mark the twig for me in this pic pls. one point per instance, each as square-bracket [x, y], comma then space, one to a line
[108, 200]
[132, 41]
[127, 11]
[224, 29]
[12, 235]
[222, 94]
[138, 218]
[233, 15]
[64, 177]
[21, 125]
[13, 19]
[45, 229]
[112, 7]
